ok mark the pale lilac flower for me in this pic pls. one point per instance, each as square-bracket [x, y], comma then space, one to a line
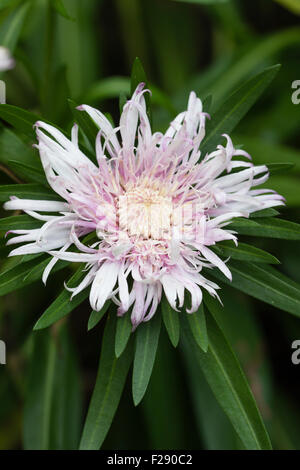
[6, 60]
[155, 209]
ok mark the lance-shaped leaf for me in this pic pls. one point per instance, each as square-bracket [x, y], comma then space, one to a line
[16, 222]
[110, 382]
[264, 213]
[267, 227]
[235, 107]
[24, 273]
[147, 336]
[63, 304]
[123, 332]
[28, 173]
[275, 168]
[197, 323]
[60, 8]
[264, 283]
[171, 321]
[138, 76]
[27, 191]
[85, 124]
[229, 384]
[244, 252]
[52, 415]
[13, 25]
[19, 118]
[95, 316]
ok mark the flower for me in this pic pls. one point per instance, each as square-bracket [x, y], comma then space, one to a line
[155, 207]
[6, 60]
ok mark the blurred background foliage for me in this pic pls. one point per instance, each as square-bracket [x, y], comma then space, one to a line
[84, 50]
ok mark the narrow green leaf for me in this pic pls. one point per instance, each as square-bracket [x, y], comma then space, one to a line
[63, 305]
[61, 9]
[275, 168]
[110, 382]
[122, 101]
[12, 28]
[264, 213]
[84, 122]
[264, 283]
[12, 147]
[267, 227]
[95, 316]
[13, 279]
[147, 336]
[197, 323]
[37, 272]
[244, 252]
[228, 382]
[28, 172]
[292, 5]
[108, 88]
[123, 332]
[235, 107]
[19, 118]
[52, 415]
[27, 191]
[17, 222]
[171, 321]
[138, 76]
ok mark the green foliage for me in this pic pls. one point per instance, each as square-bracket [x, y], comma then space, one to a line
[110, 382]
[225, 377]
[70, 52]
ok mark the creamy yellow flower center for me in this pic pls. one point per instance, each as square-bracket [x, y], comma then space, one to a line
[146, 214]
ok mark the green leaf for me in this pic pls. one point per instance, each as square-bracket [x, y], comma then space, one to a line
[85, 123]
[264, 283]
[12, 147]
[267, 227]
[37, 272]
[147, 336]
[108, 88]
[275, 168]
[122, 101]
[123, 332]
[13, 279]
[197, 323]
[264, 213]
[52, 414]
[28, 172]
[228, 382]
[244, 252]
[63, 305]
[17, 222]
[171, 321]
[214, 427]
[225, 119]
[22, 120]
[110, 382]
[12, 28]
[27, 191]
[95, 316]
[138, 76]
[292, 5]
[19, 118]
[61, 9]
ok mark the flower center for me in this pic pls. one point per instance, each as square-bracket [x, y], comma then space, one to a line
[146, 214]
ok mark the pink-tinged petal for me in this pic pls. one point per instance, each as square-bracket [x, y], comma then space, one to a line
[35, 205]
[215, 260]
[104, 125]
[103, 284]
